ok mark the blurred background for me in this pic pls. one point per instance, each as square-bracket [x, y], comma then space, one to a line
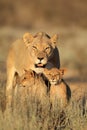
[65, 17]
[39, 13]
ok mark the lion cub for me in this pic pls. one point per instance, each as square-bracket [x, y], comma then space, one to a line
[31, 86]
[59, 90]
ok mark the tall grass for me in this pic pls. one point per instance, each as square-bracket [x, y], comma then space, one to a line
[32, 115]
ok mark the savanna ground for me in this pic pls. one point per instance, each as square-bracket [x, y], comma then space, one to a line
[72, 46]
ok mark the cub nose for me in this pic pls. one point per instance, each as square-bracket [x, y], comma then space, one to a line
[40, 58]
[53, 78]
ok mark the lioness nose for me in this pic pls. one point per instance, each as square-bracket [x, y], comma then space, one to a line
[40, 58]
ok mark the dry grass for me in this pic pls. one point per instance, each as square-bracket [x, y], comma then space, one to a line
[35, 117]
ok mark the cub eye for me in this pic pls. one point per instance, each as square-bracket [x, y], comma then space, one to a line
[25, 78]
[49, 74]
[34, 47]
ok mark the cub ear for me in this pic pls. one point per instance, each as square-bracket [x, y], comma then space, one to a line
[54, 40]
[32, 73]
[17, 78]
[27, 38]
[62, 71]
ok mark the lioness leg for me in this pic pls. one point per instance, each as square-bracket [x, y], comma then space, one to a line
[9, 86]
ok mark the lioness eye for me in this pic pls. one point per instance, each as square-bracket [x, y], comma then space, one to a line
[47, 48]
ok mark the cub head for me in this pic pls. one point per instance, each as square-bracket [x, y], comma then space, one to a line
[54, 75]
[40, 47]
[27, 79]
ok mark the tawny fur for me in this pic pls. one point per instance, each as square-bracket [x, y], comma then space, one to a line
[59, 91]
[28, 52]
[31, 87]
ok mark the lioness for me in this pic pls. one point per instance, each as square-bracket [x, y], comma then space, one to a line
[30, 52]
[59, 90]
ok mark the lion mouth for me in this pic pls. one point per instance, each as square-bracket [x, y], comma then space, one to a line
[40, 65]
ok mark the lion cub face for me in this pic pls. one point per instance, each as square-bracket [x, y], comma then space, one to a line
[27, 79]
[40, 47]
[54, 75]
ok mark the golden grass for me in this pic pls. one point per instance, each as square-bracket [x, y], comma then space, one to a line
[31, 115]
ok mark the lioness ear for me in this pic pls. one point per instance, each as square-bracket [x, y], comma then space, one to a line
[27, 38]
[54, 39]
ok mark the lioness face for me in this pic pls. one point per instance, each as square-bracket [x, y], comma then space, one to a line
[41, 52]
[40, 48]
